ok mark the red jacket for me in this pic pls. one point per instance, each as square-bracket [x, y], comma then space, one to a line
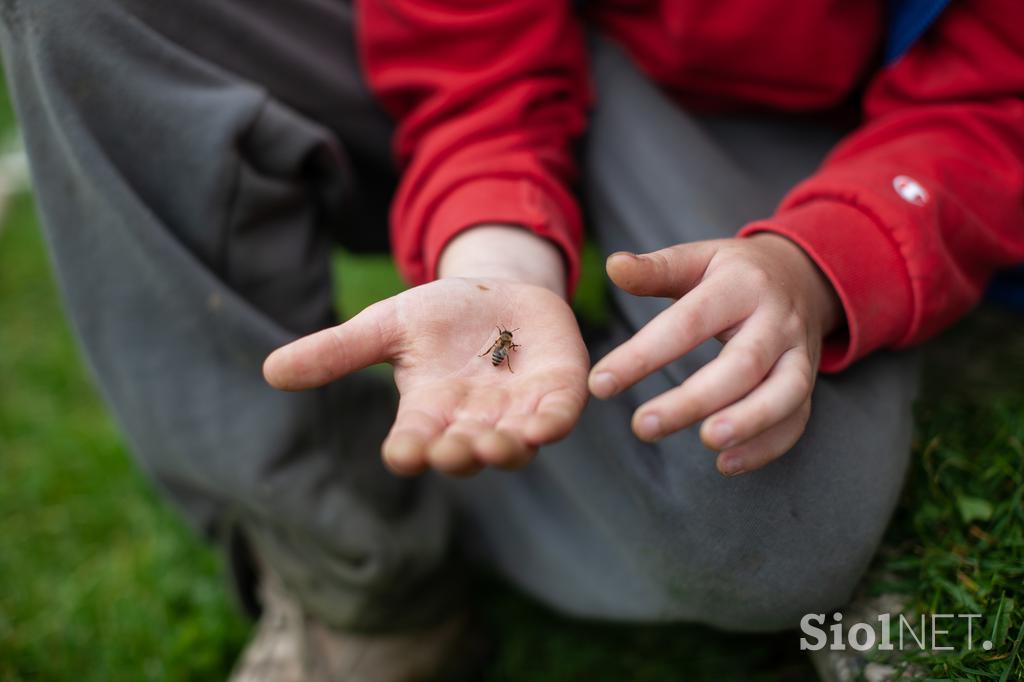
[908, 216]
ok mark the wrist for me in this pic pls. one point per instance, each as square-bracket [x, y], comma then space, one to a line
[821, 297]
[504, 252]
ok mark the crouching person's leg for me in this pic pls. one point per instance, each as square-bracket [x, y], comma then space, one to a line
[188, 204]
[605, 525]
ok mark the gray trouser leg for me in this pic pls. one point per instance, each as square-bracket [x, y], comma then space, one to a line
[604, 525]
[191, 162]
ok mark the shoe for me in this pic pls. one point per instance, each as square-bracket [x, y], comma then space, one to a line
[275, 653]
[290, 646]
[850, 665]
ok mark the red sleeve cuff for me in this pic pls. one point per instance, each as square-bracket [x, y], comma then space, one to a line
[864, 265]
[504, 201]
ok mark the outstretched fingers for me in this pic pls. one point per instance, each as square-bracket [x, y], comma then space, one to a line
[785, 391]
[508, 440]
[555, 416]
[503, 449]
[693, 319]
[766, 446]
[406, 446]
[742, 364]
[467, 445]
[460, 434]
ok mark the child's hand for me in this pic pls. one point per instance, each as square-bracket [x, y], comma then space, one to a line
[459, 413]
[771, 306]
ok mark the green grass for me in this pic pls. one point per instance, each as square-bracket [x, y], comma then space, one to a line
[957, 545]
[99, 580]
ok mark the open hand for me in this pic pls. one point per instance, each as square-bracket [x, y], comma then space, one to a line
[768, 302]
[458, 413]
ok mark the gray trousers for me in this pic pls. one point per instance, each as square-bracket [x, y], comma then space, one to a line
[194, 164]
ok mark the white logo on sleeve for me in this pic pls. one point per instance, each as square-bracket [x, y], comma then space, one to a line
[910, 189]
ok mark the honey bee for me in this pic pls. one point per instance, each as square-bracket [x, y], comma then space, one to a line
[502, 345]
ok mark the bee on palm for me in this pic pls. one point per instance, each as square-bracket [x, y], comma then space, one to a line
[501, 347]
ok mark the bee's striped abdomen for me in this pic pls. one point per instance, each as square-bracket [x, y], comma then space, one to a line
[498, 355]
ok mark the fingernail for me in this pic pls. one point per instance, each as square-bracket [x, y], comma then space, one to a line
[730, 466]
[650, 427]
[722, 434]
[627, 254]
[603, 384]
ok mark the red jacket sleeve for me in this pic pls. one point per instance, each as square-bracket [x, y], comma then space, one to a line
[488, 95]
[910, 215]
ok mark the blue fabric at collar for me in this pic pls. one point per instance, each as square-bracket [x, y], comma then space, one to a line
[908, 20]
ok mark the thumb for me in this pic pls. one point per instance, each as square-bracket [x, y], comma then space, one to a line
[330, 354]
[669, 272]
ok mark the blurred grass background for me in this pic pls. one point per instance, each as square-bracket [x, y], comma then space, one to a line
[99, 581]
